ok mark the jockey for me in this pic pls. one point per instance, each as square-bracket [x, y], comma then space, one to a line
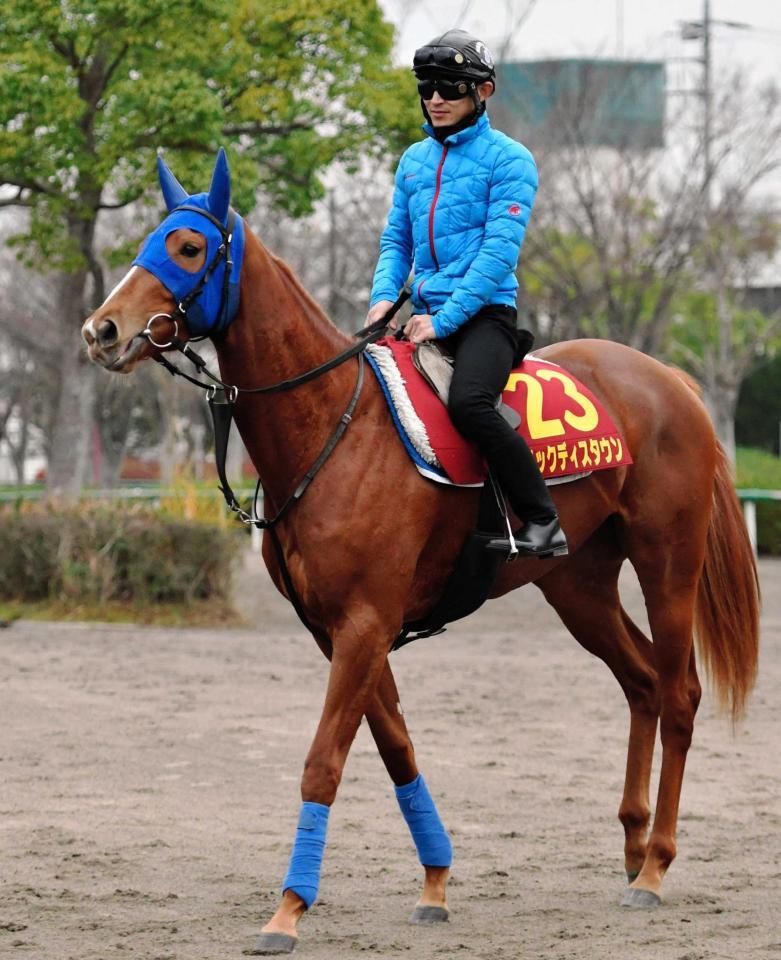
[461, 203]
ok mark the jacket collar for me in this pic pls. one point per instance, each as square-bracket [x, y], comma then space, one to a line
[475, 130]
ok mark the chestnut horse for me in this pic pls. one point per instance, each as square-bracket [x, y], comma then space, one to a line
[361, 570]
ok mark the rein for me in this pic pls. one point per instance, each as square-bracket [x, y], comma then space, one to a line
[222, 397]
[366, 336]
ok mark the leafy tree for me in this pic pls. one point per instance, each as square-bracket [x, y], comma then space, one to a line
[89, 89]
[717, 333]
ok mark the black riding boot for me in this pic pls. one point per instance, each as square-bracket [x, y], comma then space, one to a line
[484, 350]
[542, 539]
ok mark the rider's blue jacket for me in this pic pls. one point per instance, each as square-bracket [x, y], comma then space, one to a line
[460, 210]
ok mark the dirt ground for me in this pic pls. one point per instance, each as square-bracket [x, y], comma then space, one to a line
[149, 795]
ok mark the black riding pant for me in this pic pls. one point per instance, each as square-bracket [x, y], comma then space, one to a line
[486, 348]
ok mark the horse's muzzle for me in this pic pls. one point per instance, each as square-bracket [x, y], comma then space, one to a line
[117, 362]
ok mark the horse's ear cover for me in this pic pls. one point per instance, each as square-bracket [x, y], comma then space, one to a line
[173, 192]
[217, 302]
[220, 189]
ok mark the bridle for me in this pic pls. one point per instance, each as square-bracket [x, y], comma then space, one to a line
[223, 252]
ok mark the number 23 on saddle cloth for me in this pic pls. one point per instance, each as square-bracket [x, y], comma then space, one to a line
[566, 427]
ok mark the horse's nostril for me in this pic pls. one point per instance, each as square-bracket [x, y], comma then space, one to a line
[107, 333]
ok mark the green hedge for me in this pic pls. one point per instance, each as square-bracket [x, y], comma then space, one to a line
[769, 528]
[96, 554]
[758, 469]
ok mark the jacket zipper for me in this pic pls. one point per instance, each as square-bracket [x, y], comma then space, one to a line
[433, 206]
[420, 295]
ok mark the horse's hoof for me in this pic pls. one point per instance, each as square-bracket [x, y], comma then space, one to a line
[423, 914]
[270, 943]
[631, 875]
[640, 899]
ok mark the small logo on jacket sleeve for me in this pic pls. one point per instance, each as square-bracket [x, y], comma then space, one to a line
[514, 209]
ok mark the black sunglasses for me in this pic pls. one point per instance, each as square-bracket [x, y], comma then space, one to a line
[447, 89]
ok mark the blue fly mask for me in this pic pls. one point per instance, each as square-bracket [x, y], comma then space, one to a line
[208, 299]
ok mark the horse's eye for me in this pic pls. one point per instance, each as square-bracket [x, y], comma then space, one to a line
[190, 250]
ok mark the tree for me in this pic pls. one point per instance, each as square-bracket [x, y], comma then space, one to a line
[29, 359]
[334, 251]
[89, 89]
[718, 334]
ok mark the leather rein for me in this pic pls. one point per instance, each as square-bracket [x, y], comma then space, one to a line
[222, 397]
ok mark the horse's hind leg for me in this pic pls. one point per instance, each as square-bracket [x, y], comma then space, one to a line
[642, 695]
[389, 730]
[584, 592]
[669, 574]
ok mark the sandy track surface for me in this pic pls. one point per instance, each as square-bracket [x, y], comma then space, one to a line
[150, 793]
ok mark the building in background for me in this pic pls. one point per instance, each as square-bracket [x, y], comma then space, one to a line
[588, 102]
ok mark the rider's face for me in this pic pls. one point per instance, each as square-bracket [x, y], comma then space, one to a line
[446, 113]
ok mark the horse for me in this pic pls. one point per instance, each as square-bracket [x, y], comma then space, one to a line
[360, 571]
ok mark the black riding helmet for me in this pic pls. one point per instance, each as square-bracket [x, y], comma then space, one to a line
[456, 53]
[456, 60]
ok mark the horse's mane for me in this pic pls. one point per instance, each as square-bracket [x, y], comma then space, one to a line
[300, 290]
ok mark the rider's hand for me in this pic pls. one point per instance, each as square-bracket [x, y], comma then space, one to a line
[378, 311]
[420, 328]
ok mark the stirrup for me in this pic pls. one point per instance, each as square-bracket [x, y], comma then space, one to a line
[510, 547]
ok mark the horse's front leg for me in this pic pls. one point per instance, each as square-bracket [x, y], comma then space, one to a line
[360, 646]
[386, 722]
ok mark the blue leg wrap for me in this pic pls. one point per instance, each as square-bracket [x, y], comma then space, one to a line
[431, 839]
[303, 873]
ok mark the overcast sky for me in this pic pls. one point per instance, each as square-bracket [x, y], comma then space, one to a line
[633, 28]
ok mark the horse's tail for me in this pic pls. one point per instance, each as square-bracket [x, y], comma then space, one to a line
[727, 611]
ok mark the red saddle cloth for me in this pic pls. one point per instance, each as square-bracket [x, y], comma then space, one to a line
[568, 430]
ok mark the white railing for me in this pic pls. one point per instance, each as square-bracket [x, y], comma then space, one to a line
[749, 498]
